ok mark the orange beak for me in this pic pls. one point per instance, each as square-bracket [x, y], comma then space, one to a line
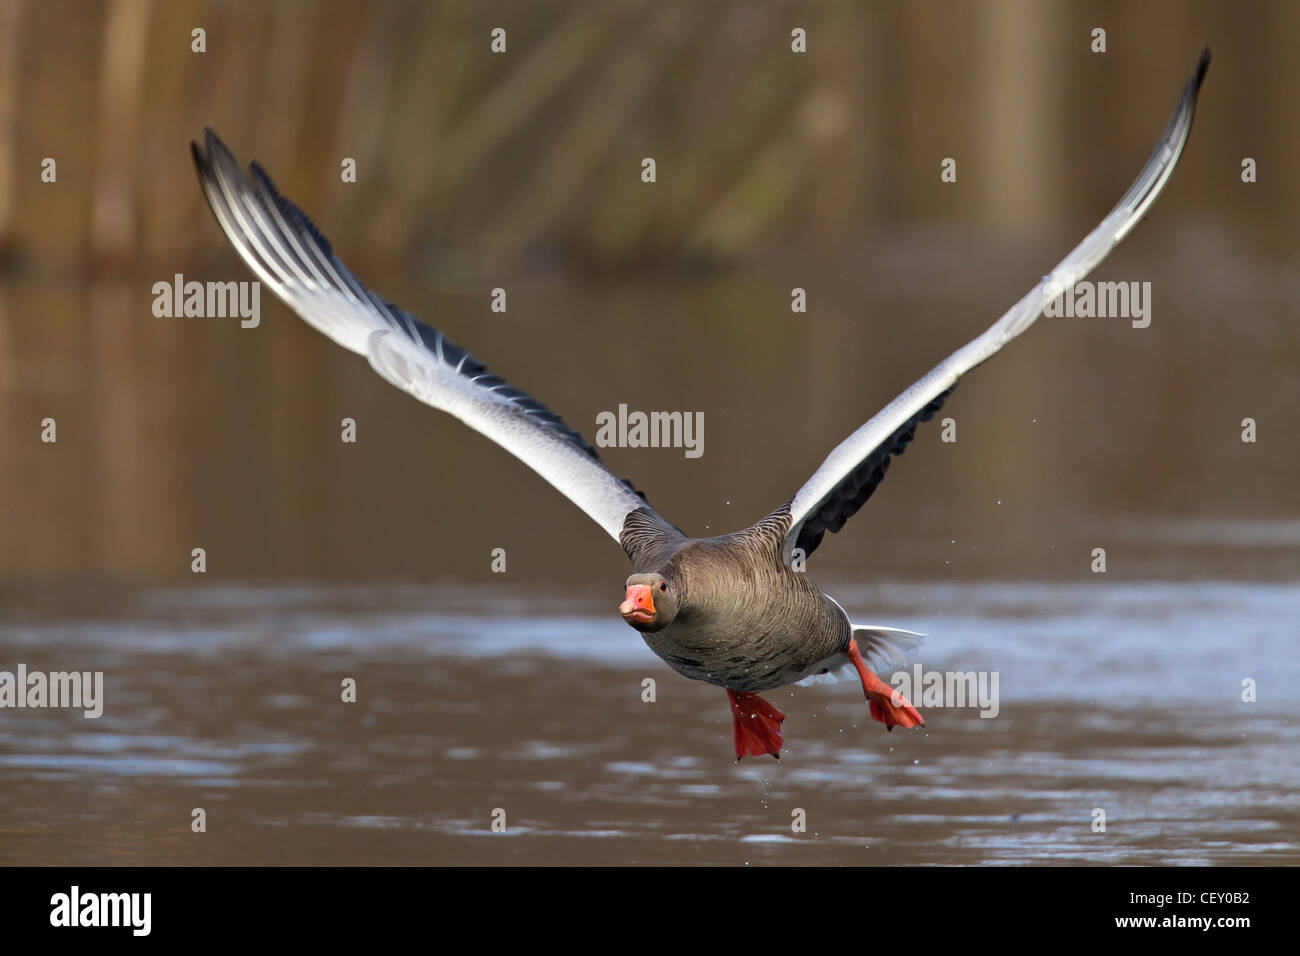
[639, 604]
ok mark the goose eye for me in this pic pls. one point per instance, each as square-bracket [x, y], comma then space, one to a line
[663, 586]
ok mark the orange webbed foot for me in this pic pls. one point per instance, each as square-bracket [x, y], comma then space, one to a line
[757, 725]
[885, 703]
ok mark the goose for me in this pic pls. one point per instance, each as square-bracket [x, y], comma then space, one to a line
[736, 610]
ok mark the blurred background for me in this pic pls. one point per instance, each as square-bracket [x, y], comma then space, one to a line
[522, 170]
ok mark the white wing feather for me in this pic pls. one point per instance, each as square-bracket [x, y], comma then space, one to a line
[818, 495]
[280, 244]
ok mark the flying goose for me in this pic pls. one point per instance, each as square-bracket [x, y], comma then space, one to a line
[731, 610]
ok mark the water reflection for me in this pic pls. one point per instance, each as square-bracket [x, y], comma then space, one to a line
[1121, 698]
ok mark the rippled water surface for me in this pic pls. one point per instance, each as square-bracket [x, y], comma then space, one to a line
[1124, 697]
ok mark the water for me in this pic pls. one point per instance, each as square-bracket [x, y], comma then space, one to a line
[1124, 697]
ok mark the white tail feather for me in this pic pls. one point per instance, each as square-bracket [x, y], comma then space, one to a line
[884, 647]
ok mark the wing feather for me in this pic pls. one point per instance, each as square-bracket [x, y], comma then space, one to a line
[294, 259]
[857, 465]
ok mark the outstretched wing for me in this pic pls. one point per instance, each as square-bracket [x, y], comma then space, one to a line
[851, 472]
[287, 252]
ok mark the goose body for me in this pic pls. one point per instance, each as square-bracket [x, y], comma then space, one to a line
[736, 610]
[746, 621]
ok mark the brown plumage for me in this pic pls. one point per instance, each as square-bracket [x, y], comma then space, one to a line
[730, 611]
[744, 619]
